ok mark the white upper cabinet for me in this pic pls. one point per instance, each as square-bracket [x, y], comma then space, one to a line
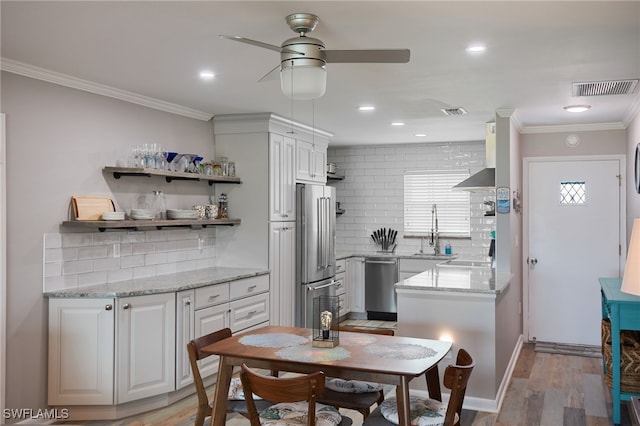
[282, 184]
[311, 161]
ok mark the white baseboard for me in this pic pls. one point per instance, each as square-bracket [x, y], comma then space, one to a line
[485, 404]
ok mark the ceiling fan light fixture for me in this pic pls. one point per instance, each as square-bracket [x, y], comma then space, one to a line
[303, 82]
[577, 108]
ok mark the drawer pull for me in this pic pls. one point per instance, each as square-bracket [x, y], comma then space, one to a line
[251, 313]
[188, 302]
[251, 288]
[214, 296]
[108, 307]
[126, 306]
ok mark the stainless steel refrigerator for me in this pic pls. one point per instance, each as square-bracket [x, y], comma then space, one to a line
[315, 248]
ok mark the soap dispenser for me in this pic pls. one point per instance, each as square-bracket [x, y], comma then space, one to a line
[447, 249]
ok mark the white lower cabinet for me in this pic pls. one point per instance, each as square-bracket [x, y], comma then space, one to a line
[110, 351]
[81, 351]
[184, 333]
[341, 288]
[282, 254]
[146, 341]
[355, 283]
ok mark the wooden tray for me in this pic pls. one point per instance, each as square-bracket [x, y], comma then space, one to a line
[91, 208]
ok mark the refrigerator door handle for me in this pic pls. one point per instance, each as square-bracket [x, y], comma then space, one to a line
[332, 283]
[320, 233]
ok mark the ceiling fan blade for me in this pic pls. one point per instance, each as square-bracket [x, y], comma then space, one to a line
[274, 74]
[368, 56]
[253, 42]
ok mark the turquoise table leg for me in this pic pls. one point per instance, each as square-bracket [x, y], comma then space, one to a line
[615, 358]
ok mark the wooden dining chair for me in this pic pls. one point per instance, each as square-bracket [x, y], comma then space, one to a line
[361, 401]
[295, 397]
[194, 349]
[456, 378]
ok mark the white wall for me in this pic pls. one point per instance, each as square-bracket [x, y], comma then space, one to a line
[372, 193]
[58, 141]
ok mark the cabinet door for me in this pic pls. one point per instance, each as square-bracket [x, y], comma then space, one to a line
[146, 346]
[282, 184]
[81, 351]
[355, 283]
[311, 161]
[282, 246]
[184, 334]
[247, 312]
[343, 295]
[207, 321]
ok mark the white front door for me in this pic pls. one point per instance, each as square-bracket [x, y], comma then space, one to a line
[575, 236]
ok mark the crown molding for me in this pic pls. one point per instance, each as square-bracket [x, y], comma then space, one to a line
[633, 112]
[66, 80]
[589, 127]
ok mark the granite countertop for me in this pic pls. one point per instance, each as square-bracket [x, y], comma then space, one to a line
[161, 284]
[458, 279]
[443, 257]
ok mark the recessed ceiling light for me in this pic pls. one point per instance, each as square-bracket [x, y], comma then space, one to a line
[476, 48]
[207, 75]
[420, 135]
[366, 108]
[397, 123]
[577, 108]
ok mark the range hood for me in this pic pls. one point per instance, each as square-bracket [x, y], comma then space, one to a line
[485, 179]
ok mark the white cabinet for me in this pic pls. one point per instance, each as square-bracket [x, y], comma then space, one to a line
[184, 334]
[208, 320]
[282, 254]
[355, 283]
[249, 311]
[81, 351]
[341, 287]
[282, 184]
[410, 267]
[145, 350]
[311, 161]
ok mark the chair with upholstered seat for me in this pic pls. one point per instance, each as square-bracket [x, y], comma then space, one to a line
[354, 394]
[295, 398]
[431, 411]
[235, 405]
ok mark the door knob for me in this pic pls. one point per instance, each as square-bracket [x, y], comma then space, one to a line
[533, 261]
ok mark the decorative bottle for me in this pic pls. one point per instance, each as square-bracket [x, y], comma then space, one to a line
[223, 207]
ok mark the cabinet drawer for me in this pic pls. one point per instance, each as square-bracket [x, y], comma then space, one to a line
[211, 295]
[341, 266]
[247, 312]
[341, 287]
[249, 286]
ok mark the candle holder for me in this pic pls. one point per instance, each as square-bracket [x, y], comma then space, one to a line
[326, 318]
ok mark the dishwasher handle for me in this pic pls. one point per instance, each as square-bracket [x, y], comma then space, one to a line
[385, 262]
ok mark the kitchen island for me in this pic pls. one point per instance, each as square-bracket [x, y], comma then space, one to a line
[473, 307]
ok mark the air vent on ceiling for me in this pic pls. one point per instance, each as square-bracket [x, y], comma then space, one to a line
[453, 111]
[599, 88]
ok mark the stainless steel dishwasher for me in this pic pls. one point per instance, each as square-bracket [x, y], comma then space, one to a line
[380, 276]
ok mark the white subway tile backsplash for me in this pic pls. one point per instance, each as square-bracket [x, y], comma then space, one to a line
[167, 268]
[52, 241]
[155, 258]
[106, 263]
[92, 278]
[94, 252]
[52, 255]
[143, 248]
[116, 275]
[372, 192]
[52, 270]
[106, 238]
[77, 267]
[144, 271]
[132, 261]
[77, 240]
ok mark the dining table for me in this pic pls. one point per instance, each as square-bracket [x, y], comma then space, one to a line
[392, 360]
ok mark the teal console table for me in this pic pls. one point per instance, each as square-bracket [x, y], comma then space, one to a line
[623, 310]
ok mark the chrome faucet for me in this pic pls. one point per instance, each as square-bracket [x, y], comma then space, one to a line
[433, 239]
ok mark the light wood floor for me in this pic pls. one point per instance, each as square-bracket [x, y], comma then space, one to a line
[546, 390]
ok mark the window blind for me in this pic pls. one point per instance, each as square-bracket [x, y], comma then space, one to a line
[423, 189]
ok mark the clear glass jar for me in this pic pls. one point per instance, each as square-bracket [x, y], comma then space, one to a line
[224, 162]
[217, 168]
[159, 205]
[223, 207]
[232, 168]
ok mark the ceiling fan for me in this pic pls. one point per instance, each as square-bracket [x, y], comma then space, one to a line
[303, 59]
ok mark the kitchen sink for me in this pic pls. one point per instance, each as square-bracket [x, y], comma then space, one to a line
[461, 263]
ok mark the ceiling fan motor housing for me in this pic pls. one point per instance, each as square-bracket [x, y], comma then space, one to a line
[302, 50]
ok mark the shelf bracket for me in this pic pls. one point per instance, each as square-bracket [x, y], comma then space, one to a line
[117, 175]
[170, 178]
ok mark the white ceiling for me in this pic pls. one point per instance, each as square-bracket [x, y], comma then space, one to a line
[536, 50]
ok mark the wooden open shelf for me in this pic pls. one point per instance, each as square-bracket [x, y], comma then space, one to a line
[169, 176]
[136, 225]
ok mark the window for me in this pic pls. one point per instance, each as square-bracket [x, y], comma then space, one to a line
[423, 189]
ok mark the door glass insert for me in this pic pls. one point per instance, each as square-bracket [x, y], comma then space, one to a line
[572, 193]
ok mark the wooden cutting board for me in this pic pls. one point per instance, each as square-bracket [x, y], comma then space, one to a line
[91, 208]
